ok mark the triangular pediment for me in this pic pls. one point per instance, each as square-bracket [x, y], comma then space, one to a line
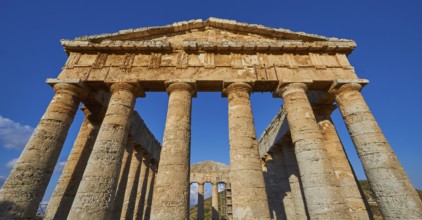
[212, 29]
[211, 34]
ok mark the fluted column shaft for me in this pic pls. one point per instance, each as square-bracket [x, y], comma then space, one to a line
[394, 193]
[132, 186]
[171, 191]
[344, 172]
[95, 196]
[249, 196]
[24, 189]
[294, 180]
[214, 201]
[142, 189]
[64, 194]
[200, 214]
[317, 174]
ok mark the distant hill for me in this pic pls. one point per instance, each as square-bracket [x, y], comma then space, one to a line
[365, 188]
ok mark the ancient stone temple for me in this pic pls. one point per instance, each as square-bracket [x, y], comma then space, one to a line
[297, 170]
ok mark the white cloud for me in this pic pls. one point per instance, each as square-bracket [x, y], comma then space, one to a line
[11, 163]
[60, 165]
[193, 195]
[14, 135]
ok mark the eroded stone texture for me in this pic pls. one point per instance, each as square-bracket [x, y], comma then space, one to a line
[344, 172]
[317, 174]
[131, 186]
[67, 186]
[95, 196]
[394, 193]
[171, 191]
[248, 187]
[277, 184]
[214, 201]
[142, 189]
[293, 174]
[200, 214]
[24, 188]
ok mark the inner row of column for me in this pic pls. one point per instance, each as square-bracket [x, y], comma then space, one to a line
[96, 193]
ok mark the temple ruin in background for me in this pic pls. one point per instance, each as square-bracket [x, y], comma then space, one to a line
[117, 169]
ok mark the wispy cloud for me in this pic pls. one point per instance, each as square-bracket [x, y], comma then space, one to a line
[60, 165]
[2, 179]
[11, 163]
[14, 135]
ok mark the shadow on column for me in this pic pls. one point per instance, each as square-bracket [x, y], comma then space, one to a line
[120, 192]
[132, 199]
[214, 213]
[149, 200]
[76, 177]
[273, 181]
[141, 203]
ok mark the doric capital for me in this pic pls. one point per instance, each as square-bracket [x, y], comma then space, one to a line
[76, 90]
[181, 85]
[285, 88]
[341, 85]
[233, 86]
[134, 88]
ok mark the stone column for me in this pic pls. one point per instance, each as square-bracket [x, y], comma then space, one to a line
[171, 192]
[200, 214]
[64, 194]
[294, 179]
[142, 189]
[132, 186]
[277, 184]
[24, 188]
[214, 201]
[394, 193]
[95, 196]
[319, 181]
[122, 182]
[150, 191]
[344, 172]
[249, 196]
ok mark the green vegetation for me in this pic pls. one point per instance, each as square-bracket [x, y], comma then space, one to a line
[207, 208]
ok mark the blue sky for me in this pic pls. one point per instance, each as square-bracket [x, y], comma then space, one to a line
[388, 35]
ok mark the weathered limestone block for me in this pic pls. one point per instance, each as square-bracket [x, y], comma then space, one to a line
[131, 186]
[249, 196]
[317, 174]
[200, 214]
[142, 189]
[394, 193]
[24, 188]
[96, 193]
[64, 194]
[122, 182]
[293, 174]
[214, 201]
[344, 172]
[277, 184]
[171, 192]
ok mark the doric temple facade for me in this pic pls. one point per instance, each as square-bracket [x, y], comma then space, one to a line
[297, 170]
